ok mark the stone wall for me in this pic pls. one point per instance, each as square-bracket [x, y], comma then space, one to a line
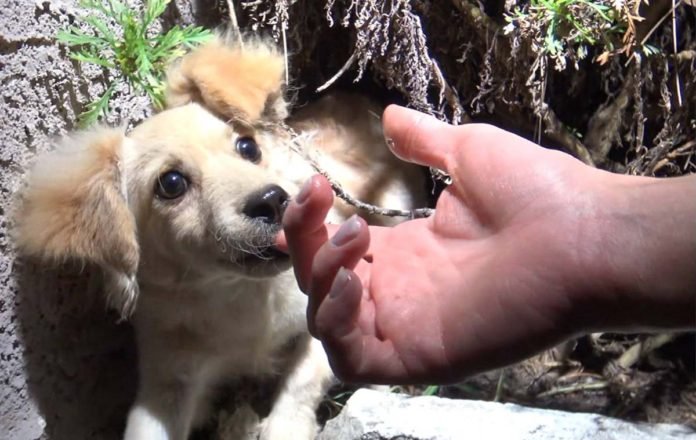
[67, 370]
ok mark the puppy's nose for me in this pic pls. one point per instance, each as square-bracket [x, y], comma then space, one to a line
[267, 204]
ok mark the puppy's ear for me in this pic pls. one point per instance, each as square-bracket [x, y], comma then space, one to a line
[243, 82]
[74, 208]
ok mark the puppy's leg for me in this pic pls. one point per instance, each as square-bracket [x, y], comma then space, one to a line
[293, 413]
[171, 393]
[163, 412]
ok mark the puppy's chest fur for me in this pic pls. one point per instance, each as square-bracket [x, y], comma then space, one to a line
[232, 328]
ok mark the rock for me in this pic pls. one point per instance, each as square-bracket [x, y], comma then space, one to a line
[372, 415]
[67, 370]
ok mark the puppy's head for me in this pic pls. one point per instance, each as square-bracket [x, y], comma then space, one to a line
[192, 195]
[205, 197]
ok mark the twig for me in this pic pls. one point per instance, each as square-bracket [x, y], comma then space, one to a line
[605, 123]
[652, 30]
[686, 149]
[499, 386]
[685, 55]
[674, 46]
[555, 128]
[483, 24]
[449, 93]
[574, 388]
[642, 348]
[234, 23]
[349, 62]
[345, 196]
[285, 54]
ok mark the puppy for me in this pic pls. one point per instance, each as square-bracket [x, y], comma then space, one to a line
[181, 214]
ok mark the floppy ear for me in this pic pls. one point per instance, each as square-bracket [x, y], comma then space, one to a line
[243, 82]
[74, 207]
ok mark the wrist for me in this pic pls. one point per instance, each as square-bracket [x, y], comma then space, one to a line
[640, 254]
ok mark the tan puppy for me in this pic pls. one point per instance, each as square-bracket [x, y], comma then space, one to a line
[181, 214]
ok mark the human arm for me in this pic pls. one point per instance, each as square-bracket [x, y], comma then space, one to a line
[527, 247]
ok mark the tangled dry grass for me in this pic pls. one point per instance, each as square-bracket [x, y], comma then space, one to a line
[609, 81]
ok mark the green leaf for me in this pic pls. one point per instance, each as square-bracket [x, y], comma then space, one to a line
[75, 37]
[95, 5]
[431, 390]
[154, 9]
[118, 11]
[96, 108]
[90, 58]
[101, 27]
[140, 60]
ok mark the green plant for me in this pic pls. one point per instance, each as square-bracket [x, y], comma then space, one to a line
[431, 390]
[138, 54]
[564, 29]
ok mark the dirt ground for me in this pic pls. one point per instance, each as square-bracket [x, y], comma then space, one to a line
[659, 385]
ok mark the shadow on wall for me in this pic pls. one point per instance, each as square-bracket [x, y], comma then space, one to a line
[80, 364]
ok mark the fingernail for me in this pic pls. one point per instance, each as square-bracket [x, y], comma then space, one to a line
[348, 231]
[304, 192]
[390, 142]
[339, 283]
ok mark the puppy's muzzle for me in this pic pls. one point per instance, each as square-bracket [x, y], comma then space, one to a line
[267, 205]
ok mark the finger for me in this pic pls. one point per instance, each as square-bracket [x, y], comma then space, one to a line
[379, 239]
[419, 138]
[354, 355]
[303, 226]
[345, 249]
[281, 241]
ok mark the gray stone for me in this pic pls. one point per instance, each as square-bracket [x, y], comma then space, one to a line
[372, 415]
[67, 370]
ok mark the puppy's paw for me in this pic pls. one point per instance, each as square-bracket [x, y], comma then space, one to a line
[242, 424]
[289, 427]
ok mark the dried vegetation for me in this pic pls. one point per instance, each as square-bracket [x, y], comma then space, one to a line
[609, 81]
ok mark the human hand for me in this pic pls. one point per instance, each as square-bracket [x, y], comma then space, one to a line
[499, 272]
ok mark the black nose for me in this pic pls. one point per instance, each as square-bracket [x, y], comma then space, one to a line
[267, 204]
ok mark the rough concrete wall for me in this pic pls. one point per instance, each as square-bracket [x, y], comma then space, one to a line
[67, 370]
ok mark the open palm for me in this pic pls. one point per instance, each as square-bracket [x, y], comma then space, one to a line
[480, 284]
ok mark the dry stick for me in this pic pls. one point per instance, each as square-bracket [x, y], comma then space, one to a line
[481, 23]
[642, 348]
[674, 45]
[450, 95]
[684, 150]
[574, 388]
[345, 196]
[499, 386]
[652, 30]
[340, 73]
[685, 55]
[285, 54]
[234, 22]
[606, 120]
[555, 128]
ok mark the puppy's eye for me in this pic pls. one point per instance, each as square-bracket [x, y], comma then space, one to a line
[248, 149]
[171, 185]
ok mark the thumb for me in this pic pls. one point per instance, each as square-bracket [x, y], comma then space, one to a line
[419, 138]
